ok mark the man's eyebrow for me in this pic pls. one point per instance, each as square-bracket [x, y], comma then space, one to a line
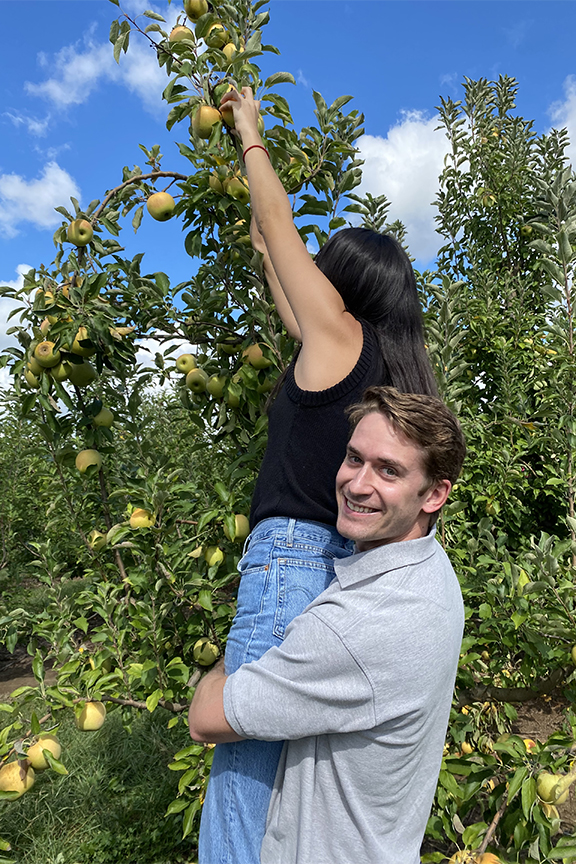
[384, 460]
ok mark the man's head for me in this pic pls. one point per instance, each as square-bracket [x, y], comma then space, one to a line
[404, 455]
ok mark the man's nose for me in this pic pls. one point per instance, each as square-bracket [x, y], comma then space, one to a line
[361, 483]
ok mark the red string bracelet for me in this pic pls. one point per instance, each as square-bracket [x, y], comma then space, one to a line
[252, 146]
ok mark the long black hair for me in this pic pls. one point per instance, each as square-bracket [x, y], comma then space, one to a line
[374, 276]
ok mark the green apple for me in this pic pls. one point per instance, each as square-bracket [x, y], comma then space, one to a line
[141, 518]
[80, 232]
[229, 346]
[86, 458]
[36, 757]
[196, 380]
[17, 776]
[97, 540]
[205, 652]
[242, 528]
[215, 386]
[215, 183]
[232, 399]
[237, 188]
[105, 418]
[217, 35]
[61, 371]
[82, 374]
[161, 206]
[91, 717]
[254, 356]
[204, 119]
[195, 9]
[178, 33]
[185, 363]
[45, 355]
[213, 555]
[34, 366]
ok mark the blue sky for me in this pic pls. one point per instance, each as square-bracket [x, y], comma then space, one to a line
[70, 118]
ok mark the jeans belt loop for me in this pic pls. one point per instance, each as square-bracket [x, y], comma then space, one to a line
[290, 532]
[246, 544]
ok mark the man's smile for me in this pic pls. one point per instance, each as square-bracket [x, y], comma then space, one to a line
[358, 508]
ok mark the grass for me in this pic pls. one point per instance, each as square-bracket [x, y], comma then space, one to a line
[110, 808]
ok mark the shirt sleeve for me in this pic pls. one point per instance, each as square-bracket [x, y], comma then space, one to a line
[310, 685]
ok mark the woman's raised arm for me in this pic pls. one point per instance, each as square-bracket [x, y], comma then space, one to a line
[331, 337]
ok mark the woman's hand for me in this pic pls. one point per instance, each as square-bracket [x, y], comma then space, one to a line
[246, 113]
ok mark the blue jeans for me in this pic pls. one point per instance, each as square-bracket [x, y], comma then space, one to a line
[287, 564]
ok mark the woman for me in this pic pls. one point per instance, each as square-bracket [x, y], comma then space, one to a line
[356, 314]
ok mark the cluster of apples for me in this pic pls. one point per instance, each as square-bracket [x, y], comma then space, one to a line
[466, 857]
[19, 775]
[198, 381]
[217, 35]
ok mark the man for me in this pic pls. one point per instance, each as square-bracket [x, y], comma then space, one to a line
[361, 687]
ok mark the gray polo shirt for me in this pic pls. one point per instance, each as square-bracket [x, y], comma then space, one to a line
[361, 690]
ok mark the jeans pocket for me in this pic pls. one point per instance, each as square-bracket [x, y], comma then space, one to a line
[298, 584]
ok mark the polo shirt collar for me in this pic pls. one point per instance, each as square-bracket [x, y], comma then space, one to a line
[383, 559]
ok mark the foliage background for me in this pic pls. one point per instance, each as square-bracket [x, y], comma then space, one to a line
[119, 623]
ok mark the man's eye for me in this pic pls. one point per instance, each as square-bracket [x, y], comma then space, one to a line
[355, 460]
[390, 472]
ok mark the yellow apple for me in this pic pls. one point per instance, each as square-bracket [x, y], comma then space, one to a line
[83, 350]
[215, 385]
[572, 652]
[242, 528]
[105, 418]
[195, 9]
[45, 355]
[16, 776]
[204, 119]
[217, 35]
[213, 555]
[196, 380]
[31, 379]
[205, 652]
[45, 325]
[86, 458]
[466, 748]
[254, 356]
[161, 206]
[80, 232]
[92, 717]
[36, 757]
[141, 518]
[178, 33]
[185, 363]
[97, 540]
[546, 787]
[82, 374]
[227, 114]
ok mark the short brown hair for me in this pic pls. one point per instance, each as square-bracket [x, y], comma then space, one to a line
[426, 421]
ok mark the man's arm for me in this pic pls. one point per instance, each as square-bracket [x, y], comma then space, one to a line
[206, 719]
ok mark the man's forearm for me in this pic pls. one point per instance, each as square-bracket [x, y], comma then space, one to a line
[206, 719]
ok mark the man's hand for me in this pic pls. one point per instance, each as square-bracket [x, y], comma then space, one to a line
[206, 719]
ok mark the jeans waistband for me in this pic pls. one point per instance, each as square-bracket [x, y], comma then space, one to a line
[297, 530]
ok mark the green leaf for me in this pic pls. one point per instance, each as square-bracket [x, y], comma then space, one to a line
[205, 599]
[563, 852]
[54, 763]
[517, 781]
[152, 700]
[176, 806]
[189, 817]
[279, 78]
[528, 796]
[154, 15]
[35, 724]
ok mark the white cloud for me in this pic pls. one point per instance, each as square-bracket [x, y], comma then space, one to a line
[34, 125]
[77, 72]
[301, 79]
[33, 201]
[405, 167]
[563, 113]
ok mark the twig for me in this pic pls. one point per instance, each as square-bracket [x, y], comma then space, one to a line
[492, 827]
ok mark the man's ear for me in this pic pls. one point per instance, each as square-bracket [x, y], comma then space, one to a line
[436, 496]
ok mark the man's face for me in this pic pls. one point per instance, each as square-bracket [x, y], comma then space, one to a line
[383, 493]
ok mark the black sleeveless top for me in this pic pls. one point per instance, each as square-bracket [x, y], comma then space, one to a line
[307, 437]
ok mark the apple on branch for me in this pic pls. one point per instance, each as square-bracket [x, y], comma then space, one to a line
[80, 232]
[161, 206]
